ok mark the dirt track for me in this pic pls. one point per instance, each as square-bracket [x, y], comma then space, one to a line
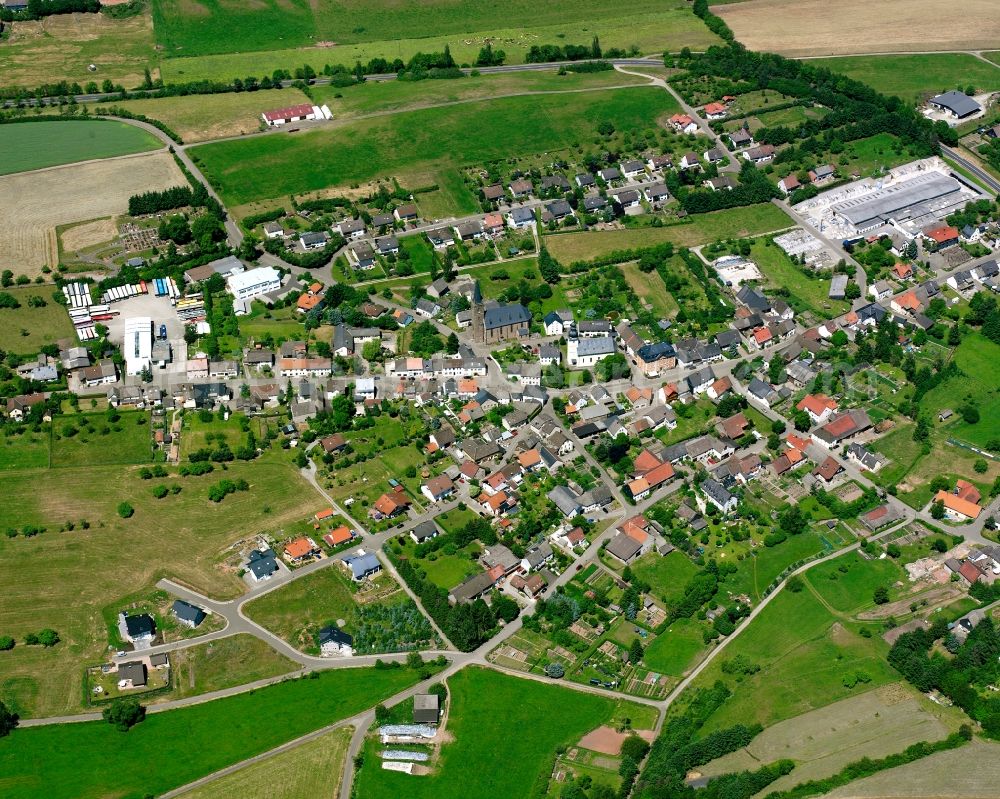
[33, 203]
[819, 27]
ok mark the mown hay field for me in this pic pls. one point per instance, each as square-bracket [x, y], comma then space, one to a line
[861, 26]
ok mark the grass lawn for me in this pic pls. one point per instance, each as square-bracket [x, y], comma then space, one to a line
[523, 269]
[977, 358]
[50, 143]
[758, 570]
[898, 445]
[699, 229]
[212, 27]
[916, 77]
[445, 567]
[100, 442]
[274, 166]
[804, 653]
[674, 651]
[874, 154]
[187, 743]
[200, 117]
[236, 660]
[649, 288]
[182, 536]
[420, 251]
[298, 610]
[483, 739]
[789, 117]
[455, 519]
[24, 330]
[379, 97]
[667, 576]
[284, 324]
[27, 450]
[311, 769]
[806, 293]
[851, 591]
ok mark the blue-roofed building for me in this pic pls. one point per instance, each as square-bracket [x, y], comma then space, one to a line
[655, 358]
[363, 566]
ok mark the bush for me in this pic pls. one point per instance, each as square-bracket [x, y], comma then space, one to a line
[160, 491]
[124, 713]
[48, 637]
[6, 643]
[125, 510]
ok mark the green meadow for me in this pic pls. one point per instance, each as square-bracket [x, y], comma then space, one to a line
[494, 754]
[916, 77]
[434, 139]
[37, 145]
[94, 759]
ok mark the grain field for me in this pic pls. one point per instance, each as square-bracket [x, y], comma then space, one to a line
[32, 204]
[819, 27]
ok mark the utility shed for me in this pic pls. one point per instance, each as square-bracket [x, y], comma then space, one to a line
[426, 708]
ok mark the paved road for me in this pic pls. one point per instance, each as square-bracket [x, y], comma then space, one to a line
[981, 174]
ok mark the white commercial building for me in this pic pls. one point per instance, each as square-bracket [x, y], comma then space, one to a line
[137, 345]
[254, 282]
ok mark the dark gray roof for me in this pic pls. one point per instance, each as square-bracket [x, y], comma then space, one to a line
[716, 491]
[425, 530]
[623, 547]
[141, 624]
[503, 315]
[134, 670]
[959, 103]
[262, 564]
[188, 612]
[334, 635]
[473, 587]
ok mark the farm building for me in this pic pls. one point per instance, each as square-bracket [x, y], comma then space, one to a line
[295, 113]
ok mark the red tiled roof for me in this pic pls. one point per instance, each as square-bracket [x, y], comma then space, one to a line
[300, 110]
[338, 535]
[298, 548]
[816, 404]
[645, 461]
[942, 234]
[957, 504]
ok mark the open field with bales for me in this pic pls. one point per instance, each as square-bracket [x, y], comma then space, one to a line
[697, 229]
[187, 743]
[199, 27]
[182, 536]
[62, 46]
[33, 204]
[37, 145]
[820, 27]
[312, 769]
[274, 166]
[917, 77]
[481, 739]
